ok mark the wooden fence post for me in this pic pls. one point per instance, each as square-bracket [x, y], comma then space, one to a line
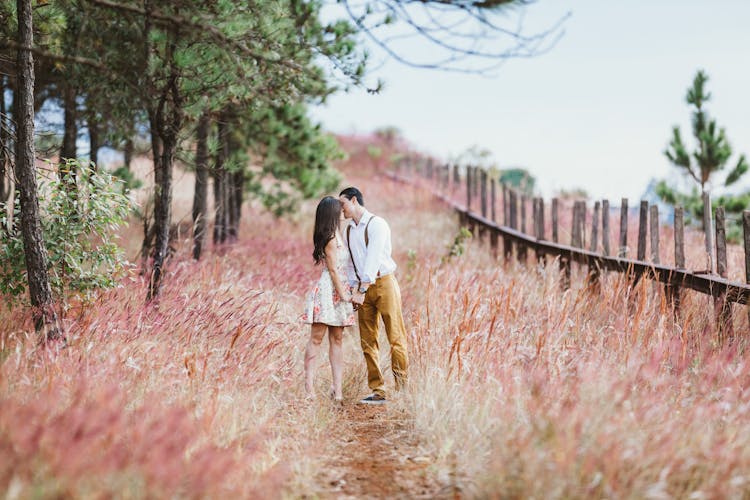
[468, 188]
[746, 235]
[506, 206]
[707, 230]
[679, 238]
[482, 185]
[535, 219]
[675, 293]
[507, 245]
[723, 307]
[483, 191]
[578, 237]
[493, 232]
[564, 261]
[594, 245]
[653, 217]
[576, 234]
[654, 226]
[522, 250]
[475, 179]
[493, 199]
[605, 227]
[541, 218]
[594, 271]
[555, 207]
[540, 257]
[623, 241]
[642, 231]
[582, 222]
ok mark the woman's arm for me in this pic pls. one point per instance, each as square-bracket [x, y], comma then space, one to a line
[331, 260]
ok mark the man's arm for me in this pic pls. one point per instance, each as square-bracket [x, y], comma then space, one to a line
[378, 234]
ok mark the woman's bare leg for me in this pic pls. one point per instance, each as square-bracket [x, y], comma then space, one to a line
[317, 332]
[335, 353]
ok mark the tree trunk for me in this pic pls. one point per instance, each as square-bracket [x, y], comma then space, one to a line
[162, 210]
[220, 197]
[239, 185]
[4, 147]
[127, 152]
[234, 194]
[201, 185]
[148, 243]
[218, 200]
[45, 318]
[230, 203]
[70, 131]
[148, 227]
[163, 150]
[93, 125]
[70, 134]
[13, 222]
[166, 122]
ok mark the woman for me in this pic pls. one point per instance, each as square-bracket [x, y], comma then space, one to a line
[329, 306]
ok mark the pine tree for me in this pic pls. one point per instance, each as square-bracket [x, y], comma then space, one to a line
[45, 317]
[713, 151]
[710, 156]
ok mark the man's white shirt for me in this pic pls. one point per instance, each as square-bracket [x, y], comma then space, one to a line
[376, 256]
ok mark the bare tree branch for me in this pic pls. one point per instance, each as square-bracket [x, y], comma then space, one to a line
[460, 30]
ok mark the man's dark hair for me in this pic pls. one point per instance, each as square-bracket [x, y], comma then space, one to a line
[352, 192]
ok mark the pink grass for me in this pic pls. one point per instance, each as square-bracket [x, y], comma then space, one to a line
[517, 389]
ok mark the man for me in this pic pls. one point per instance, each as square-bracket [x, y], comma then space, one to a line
[375, 291]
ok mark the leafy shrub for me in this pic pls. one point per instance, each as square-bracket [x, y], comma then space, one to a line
[374, 152]
[79, 220]
[128, 178]
[457, 248]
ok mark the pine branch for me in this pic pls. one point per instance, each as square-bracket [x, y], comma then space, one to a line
[12, 44]
[737, 172]
[103, 69]
[212, 31]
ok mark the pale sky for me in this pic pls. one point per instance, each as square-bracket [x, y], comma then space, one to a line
[595, 112]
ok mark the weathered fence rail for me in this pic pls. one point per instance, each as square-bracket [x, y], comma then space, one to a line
[514, 235]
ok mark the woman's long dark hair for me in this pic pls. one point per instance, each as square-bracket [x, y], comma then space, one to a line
[327, 218]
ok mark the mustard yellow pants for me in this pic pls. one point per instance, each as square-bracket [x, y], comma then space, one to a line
[383, 300]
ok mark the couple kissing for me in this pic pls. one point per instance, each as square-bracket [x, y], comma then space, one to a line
[357, 276]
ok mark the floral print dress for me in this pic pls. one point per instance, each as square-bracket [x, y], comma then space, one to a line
[323, 303]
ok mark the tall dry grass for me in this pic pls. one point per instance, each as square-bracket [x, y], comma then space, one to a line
[516, 389]
[196, 395]
[522, 390]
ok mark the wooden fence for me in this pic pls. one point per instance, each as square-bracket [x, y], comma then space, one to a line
[479, 214]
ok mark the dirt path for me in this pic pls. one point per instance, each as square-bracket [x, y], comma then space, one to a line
[378, 457]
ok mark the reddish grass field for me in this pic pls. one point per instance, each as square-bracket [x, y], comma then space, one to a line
[516, 389]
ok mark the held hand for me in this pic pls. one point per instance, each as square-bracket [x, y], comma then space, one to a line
[358, 298]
